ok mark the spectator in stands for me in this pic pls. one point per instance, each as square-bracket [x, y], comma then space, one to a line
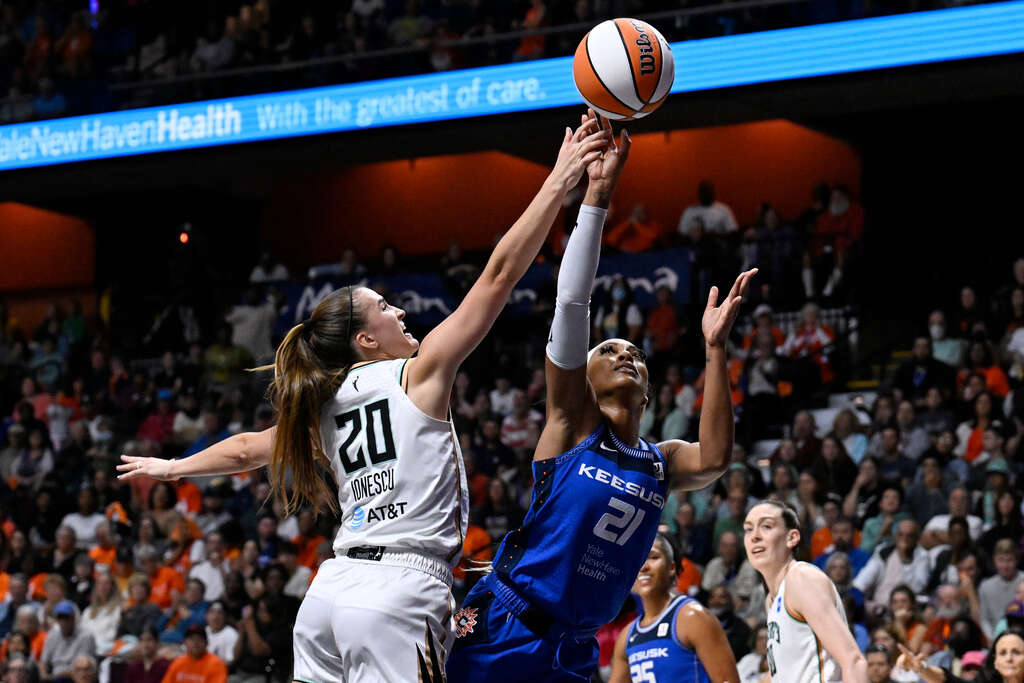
[970, 434]
[34, 462]
[833, 468]
[807, 444]
[928, 496]
[268, 269]
[519, 428]
[906, 622]
[499, 514]
[721, 604]
[64, 643]
[159, 425]
[914, 440]
[936, 530]
[893, 463]
[945, 564]
[197, 664]
[809, 346]
[663, 323]
[212, 433]
[841, 572]
[996, 592]
[49, 102]
[901, 562]
[162, 580]
[618, 316]
[946, 349]
[213, 569]
[935, 418]
[880, 662]
[762, 404]
[188, 421]
[636, 234]
[17, 597]
[694, 538]
[665, 420]
[835, 236]
[252, 323]
[220, 636]
[224, 361]
[843, 542]
[754, 664]
[140, 610]
[730, 569]
[980, 361]
[84, 670]
[846, 428]
[731, 518]
[214, 51]
[299, 576]
[186, 610]
[74, 47]
[146, 666]
[103, 615]
[264, 634]
[1005, 523]
[714, 216]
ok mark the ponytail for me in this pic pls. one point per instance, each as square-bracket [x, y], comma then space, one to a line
[309, 366]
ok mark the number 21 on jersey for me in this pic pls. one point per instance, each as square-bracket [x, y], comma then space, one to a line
[373, 422]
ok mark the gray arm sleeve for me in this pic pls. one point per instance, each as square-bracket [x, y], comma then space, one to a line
[570, 327]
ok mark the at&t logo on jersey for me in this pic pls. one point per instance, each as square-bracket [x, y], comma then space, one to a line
[358, 515]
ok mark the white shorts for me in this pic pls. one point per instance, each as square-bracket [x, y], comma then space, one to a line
[363, 621]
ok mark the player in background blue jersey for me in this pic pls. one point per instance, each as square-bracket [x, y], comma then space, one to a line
[599, 489]
[675, 639]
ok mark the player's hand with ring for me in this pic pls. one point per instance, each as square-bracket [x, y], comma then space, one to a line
[135, 466]
[578, 150]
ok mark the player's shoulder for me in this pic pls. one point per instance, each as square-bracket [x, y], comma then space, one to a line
[809, 573]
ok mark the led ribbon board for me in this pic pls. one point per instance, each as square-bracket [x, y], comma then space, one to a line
[820, 50]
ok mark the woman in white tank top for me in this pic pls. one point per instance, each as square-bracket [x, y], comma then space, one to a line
[808, 637]
[351, 399]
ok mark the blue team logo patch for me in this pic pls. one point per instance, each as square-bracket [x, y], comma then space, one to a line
[357, 518]
[778, 604]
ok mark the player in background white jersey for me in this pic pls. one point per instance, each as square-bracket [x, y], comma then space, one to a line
[350, 397]
[809, 640]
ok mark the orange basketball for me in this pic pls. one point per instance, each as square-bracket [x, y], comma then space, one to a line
[623, 69]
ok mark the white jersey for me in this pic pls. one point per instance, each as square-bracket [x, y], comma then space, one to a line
[795, 655]
[401, 482]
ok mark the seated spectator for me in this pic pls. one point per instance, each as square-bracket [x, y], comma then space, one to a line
[636, 234]
[104, 553]
[220, 636]
[499, 514]
[763, 399]
[928, 497]
[997, 592]
[1006, 520]
[915, 376]
[503, 396]
[810, 346]
[843, 542]
[881, 528]
[19, 669]
[906, 622]
[64, 642]
[835, 236]
[49, 102]
[665, 420]
[841, 572]
[196, 664]
[807, 445]
[186, 610]
[810, 503]
[754, 665]
[730, 520]
[618, 316]
[146, 665]
[731, 570]
[264, 634]
[518, 428]
[936, 418]
[721, 604]
[861, 503]
[714, 216]
[492, 457]
[847, 430]
[958, 503]
[692, 537]
[308, 539]
[85, 520]
[103, 615]
[17, 597]
[784, 483]
[880, 662]
[944, 565]
[663, 323]
[140, 611]
[949, 603]
[833, 468]
[268, 270]
[914, 440]
[945, 349]
[979, 361]
[902, 562]
[163, 580]
[299, 576]
[159, 425]
[213, 569]
[212, 433]
[893, 463]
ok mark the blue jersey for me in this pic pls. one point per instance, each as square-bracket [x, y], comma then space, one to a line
[592, 520]
[655, 653]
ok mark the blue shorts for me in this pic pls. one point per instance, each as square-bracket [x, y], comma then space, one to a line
[491, 644]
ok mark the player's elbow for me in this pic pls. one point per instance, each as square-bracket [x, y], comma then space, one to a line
[855, 666]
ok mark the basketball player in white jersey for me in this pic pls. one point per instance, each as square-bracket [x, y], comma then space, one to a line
[351, 397]
[808, 637]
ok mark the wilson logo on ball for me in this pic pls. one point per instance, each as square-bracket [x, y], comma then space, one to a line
[624, 69]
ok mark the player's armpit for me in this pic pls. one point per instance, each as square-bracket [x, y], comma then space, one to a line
[699, 629]
[687, 470]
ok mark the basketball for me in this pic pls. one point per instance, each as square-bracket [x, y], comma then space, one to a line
[623, 68]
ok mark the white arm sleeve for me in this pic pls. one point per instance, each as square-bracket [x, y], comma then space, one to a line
[570, 327]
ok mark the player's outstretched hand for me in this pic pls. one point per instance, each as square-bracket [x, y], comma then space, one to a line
[718, 320]
[604, 172]
[578, 150]
[135, 466]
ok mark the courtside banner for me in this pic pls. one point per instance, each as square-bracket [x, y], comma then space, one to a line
[842, 47]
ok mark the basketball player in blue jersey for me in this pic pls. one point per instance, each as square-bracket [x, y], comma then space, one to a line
[352, 399]
[676, 639]
[808, 637]
[599, 489]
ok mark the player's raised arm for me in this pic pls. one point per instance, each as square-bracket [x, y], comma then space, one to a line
[239, 453]
[571, 403]
[695, 465]
[432, 373]
[815, 603]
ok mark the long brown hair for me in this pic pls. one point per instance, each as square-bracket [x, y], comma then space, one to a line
[309, 366]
